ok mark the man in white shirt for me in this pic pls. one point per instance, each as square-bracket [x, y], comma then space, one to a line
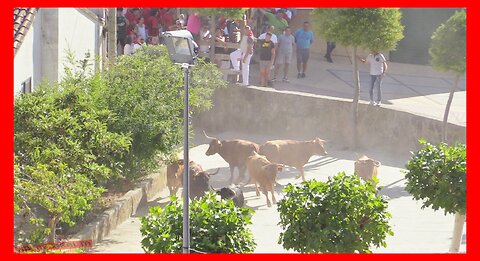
[378, 68]
[270, 29]
[243, 55]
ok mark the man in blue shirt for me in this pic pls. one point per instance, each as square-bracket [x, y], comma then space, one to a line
[303, 39]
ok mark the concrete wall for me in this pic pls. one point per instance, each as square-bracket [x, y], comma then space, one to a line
[22, 65]
[76, 33]
[42, 55]
[124, 207]
[304, 116]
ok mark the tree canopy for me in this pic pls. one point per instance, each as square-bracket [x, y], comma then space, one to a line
[436, 174]
[217, 226]
[371, 28]
[343, 215]
[233, 13]
[448, 46]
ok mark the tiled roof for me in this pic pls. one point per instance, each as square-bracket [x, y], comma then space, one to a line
[22, 20]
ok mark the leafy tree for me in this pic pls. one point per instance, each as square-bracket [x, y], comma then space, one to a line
[376, 29]
[63, 153]
[342, 215]
[448, 53]
[216, 227]
[436, 174]
[145, 93]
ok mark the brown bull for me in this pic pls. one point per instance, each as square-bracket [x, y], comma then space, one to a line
[174, 176]
[263, 173]
[234, 152]
[366, 168]
[292, 152]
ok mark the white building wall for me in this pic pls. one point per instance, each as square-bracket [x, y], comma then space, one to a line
[23, 62]
[76, 33]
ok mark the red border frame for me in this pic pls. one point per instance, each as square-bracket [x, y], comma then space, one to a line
[6, 110]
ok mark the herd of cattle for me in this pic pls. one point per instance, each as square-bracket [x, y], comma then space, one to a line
[262, 162]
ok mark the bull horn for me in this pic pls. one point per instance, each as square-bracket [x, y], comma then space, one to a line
[215, 173]
[208, 137]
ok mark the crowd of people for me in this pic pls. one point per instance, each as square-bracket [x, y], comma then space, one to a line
[265, 29]
[139, 26]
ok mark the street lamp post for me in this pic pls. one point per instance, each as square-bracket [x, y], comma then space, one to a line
[181, 49]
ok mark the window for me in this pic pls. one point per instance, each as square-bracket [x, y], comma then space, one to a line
[27, 85]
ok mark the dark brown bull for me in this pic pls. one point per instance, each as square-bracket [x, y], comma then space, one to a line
[199, 179]
[234, 193]
[234, 152]
[292, 152]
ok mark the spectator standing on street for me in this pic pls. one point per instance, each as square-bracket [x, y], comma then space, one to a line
[122, 24]
[303, 39]
[378, 68]
[141, 30]
[194, 23]
[328, 54]
[267, 53]
[220, 38]
[153, 24]
[167, 18]
[276, 20]
[270, 30]
[243, 55]
[181, 18]
[139, 44]
[132, 15]
[286, 42]
[128, 49]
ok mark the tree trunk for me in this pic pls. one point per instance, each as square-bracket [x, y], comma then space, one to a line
[356, 95]
[447, 108]
[52, 225]
[457, 233]
[112, 34]
[213, 26]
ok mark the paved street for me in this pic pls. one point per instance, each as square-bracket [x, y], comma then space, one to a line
[411, 88]
[416, 230]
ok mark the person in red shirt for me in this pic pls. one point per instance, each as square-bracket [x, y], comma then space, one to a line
[168, 18]
[146, 13]
[133, 15]
[153, 24]
[222, 22]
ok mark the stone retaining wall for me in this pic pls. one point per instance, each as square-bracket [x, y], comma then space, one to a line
[304, 116]
[123, 208]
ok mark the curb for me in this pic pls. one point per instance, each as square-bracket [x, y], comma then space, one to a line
[123, 207]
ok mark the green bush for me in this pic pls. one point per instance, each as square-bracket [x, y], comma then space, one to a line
[145, 91]
[436, 174]
[342, 215]
[63, 153]
[216, 226]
